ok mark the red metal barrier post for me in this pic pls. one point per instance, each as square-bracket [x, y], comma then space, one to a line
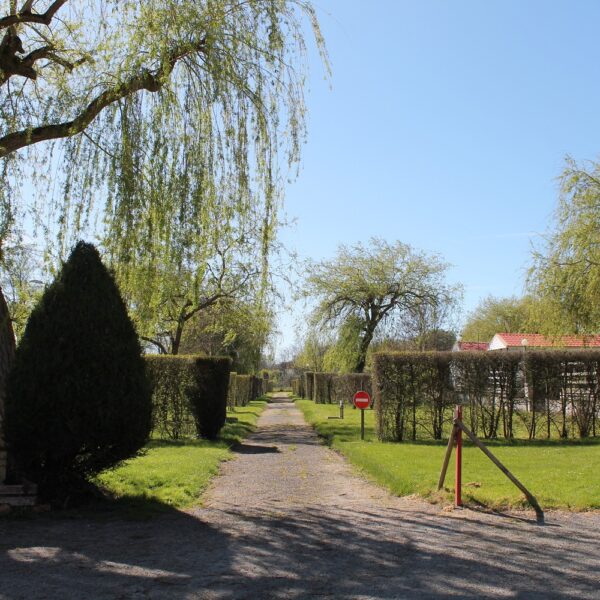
[458, 476]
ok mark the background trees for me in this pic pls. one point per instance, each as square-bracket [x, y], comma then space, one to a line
[368, 288]
[166, 124]
[565, 274]
[496, 315]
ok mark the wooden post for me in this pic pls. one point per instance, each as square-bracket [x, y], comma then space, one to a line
[458, 471]
[447, 457]
[530, 497]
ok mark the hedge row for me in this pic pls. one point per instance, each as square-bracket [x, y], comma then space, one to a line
[245, 388]
[343, 387]
[331, 388]
[189, 395]
[298, 387]
[309, 384]
[322, 388]
[548, 393]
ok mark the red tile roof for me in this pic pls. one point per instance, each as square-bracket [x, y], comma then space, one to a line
[465, 346]
[536, 340]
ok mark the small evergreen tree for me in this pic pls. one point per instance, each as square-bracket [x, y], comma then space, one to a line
[78, 399]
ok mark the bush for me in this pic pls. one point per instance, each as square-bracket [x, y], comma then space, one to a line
[343, 387]
[554, 392]
[309, 385]
[243, 390]
[322, 388]
[171, 381]
[258, 387]
[563, 389]
[232, 390]
[404, 383]
[189, 394]
[78, 399]
[209, 394]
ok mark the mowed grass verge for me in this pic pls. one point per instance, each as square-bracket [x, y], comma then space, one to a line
[562, 475]
[174, 473]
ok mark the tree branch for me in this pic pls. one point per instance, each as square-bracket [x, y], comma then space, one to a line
[151, 82]
[26, 16]
[158, 344]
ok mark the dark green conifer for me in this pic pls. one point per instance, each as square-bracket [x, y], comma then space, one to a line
[78, 397]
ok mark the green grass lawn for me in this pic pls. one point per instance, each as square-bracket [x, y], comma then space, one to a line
[173, 473]
[561, 474]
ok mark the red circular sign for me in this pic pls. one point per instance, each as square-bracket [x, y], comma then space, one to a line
[362, 400]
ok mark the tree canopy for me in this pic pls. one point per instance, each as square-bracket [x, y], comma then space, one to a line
[565, 274]
[163, 127]
[500, 315]
[368, 288]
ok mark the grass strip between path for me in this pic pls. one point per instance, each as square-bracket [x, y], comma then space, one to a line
[561, 474]
[174, 473]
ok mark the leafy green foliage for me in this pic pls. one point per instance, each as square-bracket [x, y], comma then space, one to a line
[566, 273]
[343, 387]
[189, 389]
[368, 288]
[173, 120]
[502, 315]
[322, 387]
[545, 393]
[78, 397]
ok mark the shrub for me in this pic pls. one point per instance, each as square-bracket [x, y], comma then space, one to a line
[243, 389]
[189, 394]
[563, 388]
[488, 384]
[171, 381]
[295, 383]
[78, 399]
[343, 387]
[553, 391]
[258, 387]
[209, 394]
[232, 390]
[309, 385]
[406, 381]
[322, 388]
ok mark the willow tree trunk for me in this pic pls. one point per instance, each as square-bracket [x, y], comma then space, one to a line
[7, 354]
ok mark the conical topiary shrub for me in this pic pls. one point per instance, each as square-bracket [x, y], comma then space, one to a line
[78, 400]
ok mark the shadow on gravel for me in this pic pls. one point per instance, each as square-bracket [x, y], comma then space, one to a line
[254, 449]
[298, 554]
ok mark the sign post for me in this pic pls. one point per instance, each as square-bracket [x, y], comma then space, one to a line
[362, 400]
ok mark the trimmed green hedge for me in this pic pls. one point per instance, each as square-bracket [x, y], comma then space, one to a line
[322, 388]
[309, 384]
[550, 393]
[232, 391]
[343, 387]
[188, 391]
[244, 388]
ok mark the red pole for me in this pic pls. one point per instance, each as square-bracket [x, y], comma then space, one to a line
[458, 476]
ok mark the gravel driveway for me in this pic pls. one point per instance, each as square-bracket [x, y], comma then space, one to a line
[288, 518]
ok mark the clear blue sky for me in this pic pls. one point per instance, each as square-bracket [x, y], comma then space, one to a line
[445, 126]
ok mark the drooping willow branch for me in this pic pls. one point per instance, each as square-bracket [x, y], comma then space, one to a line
[25, 15]
[147, 80]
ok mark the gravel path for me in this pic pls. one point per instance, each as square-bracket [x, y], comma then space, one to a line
[288, 518]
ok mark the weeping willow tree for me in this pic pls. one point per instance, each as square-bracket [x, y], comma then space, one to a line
[162, 124]
[565, 275]
[166, 119]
